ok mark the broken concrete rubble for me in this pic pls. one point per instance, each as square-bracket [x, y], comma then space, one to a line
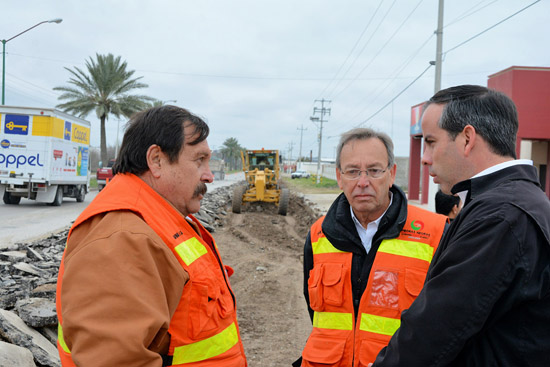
[37, 312]
[12, 355]
[15, 331]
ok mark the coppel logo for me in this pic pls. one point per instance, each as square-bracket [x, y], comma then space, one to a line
[5, 143]
[417, 225]
[20, 160]
[80, 134]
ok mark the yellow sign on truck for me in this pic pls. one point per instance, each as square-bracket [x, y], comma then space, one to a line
[44, 155]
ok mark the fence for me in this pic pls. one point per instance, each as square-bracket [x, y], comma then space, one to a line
[327, 170]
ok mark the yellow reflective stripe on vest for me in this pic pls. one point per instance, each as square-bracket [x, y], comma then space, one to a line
[417, 250]
[190, 250]
[207, 348]
[379, 324]
[323, 246]
[61, 340]
[333, 320]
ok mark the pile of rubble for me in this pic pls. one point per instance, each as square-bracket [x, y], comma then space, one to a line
[28, 276]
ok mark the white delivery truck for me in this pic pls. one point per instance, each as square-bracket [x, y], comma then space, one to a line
[44, 155]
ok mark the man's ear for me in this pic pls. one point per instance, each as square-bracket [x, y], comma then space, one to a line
[154, 157]
[470, 138]
[454, 210]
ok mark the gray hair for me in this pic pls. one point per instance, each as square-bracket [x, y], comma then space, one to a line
[363, 134]
[492, 114]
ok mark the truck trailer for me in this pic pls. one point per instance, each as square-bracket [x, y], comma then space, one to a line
[44, 155]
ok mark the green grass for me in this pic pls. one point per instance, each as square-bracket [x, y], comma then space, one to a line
[309, 185]
[93, 182]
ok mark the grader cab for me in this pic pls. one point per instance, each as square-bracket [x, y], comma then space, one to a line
[261, 170]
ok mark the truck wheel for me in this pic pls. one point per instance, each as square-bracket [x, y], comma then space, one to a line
[58, 197]
[100, 187]
[81, 195]
[11, 199]
[283, 201]
[237, 199]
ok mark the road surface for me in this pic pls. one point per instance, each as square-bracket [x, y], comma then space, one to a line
[30, 220]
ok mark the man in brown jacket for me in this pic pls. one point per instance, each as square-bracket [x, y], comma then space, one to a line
[141, 282]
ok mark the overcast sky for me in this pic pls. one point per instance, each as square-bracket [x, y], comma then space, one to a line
[253, 69]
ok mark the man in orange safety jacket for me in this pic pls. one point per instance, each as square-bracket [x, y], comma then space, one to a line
[141, 282]
[366, 260]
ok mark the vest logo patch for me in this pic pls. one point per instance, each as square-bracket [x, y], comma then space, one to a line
[416, 230]
[417, 225]
[177, 234]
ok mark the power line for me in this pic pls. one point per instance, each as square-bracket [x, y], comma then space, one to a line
[469, 12]
[364, 46]
[353, 49]
[491, 27]
[382, 48]
[50, 91]
[378, 92]
[394, 98]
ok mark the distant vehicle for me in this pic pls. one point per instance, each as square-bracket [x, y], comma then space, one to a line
[43, 155]
[104, 174]
[299, 174]
[217, 166]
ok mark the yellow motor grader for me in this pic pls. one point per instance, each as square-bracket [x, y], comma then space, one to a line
[261, 170]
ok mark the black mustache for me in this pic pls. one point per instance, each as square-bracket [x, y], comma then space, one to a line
[201, 189]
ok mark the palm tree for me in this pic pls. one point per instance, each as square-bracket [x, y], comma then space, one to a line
[231, 150]
[160, 103]
[104, 88]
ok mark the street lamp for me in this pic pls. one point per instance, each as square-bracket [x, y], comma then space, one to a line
[57, 20]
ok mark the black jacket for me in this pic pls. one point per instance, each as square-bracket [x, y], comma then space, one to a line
[486, 300]
[340, 230]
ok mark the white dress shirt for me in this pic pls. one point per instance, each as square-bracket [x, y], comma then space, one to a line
[366, 234]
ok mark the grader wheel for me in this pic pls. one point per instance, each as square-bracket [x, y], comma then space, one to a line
[237, 199]
[283, 201]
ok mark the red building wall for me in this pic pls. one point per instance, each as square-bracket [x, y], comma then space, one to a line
[529, 88]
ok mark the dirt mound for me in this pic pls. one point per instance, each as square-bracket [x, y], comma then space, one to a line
[266, 251]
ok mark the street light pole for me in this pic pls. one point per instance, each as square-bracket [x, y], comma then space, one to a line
[57, 20]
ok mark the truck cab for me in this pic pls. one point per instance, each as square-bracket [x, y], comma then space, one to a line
[104, 174]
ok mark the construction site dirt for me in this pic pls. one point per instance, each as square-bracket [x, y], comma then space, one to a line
[266, 252]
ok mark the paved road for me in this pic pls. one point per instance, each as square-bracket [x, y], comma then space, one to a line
[30, 220]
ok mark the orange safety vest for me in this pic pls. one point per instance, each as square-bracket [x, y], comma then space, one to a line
[203, 330]
[338, 337]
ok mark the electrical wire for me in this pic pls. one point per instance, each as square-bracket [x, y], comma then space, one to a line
[382, 87]
[380, 50]
[362, 49]
[468, 13]
[491, 27]
[394, 98]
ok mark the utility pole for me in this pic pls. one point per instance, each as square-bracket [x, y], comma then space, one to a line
[439, 48]
[290, 147]
[433, 187]
[301, 135]
[323, 111]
